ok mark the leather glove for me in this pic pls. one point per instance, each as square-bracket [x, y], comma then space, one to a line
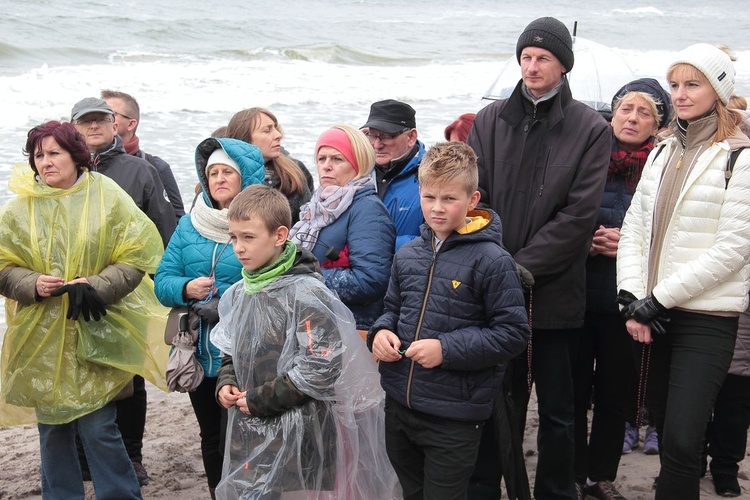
[658, 325]
[625, 298]
[527, 279]
[84, 300]
[644, 310]
[208, 311]
[628, 300]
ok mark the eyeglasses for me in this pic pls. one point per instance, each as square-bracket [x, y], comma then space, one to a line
[124, 116]
[99, 121]
[384, 137]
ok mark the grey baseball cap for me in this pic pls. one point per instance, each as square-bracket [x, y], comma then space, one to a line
[90, 105]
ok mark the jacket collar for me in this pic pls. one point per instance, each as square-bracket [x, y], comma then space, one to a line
[516, 108]
[100, 158]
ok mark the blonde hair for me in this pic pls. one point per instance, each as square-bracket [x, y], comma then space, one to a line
[448, 162]
[361, 149]
[263, 202]
[242, 125]
[648, 98]
[737, 102]
[729, 119]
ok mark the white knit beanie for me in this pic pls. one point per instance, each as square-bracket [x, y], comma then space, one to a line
[220, 156]
[715, 65]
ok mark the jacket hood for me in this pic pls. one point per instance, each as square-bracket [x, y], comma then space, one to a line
[247, 156]
[304, 263]
[485, 225]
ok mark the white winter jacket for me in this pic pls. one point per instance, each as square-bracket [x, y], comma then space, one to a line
[703, 266]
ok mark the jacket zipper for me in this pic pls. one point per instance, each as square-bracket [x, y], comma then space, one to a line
[544, 172]
[679, 161]
[212, 273]
[419, 323]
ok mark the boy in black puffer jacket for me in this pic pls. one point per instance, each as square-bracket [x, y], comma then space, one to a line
[454, 316]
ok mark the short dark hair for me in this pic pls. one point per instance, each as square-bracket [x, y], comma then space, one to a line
[263, 202]
[66, 135]
[447, 162]
[134, 111]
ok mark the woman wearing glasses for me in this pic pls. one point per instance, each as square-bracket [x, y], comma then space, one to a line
[197, 268]
[259, 127]
[346, 226]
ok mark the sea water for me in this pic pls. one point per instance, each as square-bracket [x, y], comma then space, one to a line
[191, 63]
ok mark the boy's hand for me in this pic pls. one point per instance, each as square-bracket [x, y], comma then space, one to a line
[427, 352]
[385, 346]
[229, 395]
[242, 404]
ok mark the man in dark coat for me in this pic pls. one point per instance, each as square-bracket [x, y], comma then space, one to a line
[95, 121]
[128, 117]
[543, 160]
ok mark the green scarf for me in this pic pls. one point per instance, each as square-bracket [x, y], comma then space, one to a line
[254, 281]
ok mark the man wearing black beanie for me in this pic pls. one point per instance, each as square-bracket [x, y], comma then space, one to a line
[543, 159]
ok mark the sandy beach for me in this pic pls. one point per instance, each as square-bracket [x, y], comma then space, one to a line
[172, 457]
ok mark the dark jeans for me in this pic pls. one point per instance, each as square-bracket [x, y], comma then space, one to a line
[553, 356]
[727, 433]
[606, 345]
[131, 419]
[433, 456]
[208, 413]
[687, 368]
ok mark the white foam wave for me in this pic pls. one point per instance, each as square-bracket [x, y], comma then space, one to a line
[640, 11]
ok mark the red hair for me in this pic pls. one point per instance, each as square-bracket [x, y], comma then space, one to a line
[66, 135]
[461, 126]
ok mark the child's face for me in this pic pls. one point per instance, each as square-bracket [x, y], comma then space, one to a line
[445, 206]
[254, 245]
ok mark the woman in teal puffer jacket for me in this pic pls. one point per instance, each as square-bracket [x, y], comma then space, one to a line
[198, 267]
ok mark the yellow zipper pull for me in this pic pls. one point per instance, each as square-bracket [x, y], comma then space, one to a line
[679, 162]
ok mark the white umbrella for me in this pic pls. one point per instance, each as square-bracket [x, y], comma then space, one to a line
[598, 72]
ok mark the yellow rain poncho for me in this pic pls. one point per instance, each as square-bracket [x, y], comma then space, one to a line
[55, 370]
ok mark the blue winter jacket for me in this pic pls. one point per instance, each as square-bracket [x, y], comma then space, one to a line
[367, 232]
[467, 295]
[402, 200]
[189, 255]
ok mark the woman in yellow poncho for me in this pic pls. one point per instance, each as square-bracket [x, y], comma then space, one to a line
[81, 313]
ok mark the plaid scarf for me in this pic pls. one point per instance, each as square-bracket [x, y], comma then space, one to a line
[627, 166]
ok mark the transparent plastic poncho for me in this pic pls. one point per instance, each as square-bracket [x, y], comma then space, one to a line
[55, 370]
[332, 446]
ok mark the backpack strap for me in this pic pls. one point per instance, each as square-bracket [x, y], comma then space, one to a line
[658, 151]
[731, 160]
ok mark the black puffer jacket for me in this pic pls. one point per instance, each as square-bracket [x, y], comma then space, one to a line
[468, 296]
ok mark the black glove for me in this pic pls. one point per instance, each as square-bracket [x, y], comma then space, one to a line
[82, 299]
[644, 310]
[209, 311]
[658, 325]
[646, 305]
[93, 303]
[527, 279]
